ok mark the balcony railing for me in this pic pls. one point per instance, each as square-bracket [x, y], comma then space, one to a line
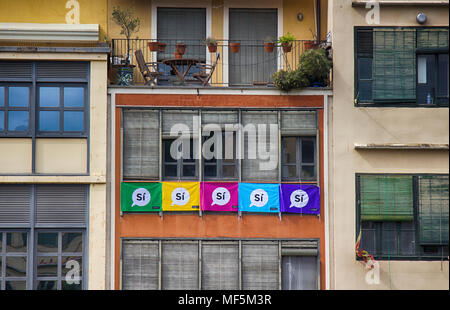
[251, 66]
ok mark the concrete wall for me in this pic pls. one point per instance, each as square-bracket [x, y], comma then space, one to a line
[350, 125]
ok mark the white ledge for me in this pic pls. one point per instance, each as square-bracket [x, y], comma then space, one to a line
[82, 33]
[401, 146]
[402, 2]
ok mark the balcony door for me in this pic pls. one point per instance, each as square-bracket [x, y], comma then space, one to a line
[252, 63]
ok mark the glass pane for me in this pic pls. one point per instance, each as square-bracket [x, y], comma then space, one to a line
[49, 121]
[19, 96]
[308, 172]
[421, 70]
[167, 157]
[72, 267]
[289, 150]
[72, 242]
[210, 171]
[73, 96]
[47, 266]
[47, 242]
[49, 96]
[71, 285]
[16, 242]
[170, 170]
[190, 158]
[46, 285]
[16, 266]
[229, 171]
[389, 239]
[365, 68]
[308, 151]
[2, 96]
[289, 171]
[17, 120]
[16, 285]
[189, 170]
[2, 120]
[73, 121]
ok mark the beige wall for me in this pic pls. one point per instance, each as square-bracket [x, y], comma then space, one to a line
[350, 125]
[15, 155]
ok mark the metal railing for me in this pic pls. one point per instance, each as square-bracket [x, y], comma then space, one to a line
[251, 66]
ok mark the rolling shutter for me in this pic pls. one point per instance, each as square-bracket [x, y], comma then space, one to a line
[220, 265]
[61, 204]
[433, 209]
[62, 70]
[260, 266]
[140, 265]
[15, 202]
[13, 70]
[172, 118]
[179, 265]
[298, 123]
[386, 198]
[141, 144]
[220, 117]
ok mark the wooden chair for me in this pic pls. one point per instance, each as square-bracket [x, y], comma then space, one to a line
[149, 70]
[204, 76]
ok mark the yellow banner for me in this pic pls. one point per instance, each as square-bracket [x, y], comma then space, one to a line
[180, 196]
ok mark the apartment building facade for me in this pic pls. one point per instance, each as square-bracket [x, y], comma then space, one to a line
[53, 154]
[389, 137]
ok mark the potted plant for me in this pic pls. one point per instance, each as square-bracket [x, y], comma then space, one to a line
[211, 43]
[316, 66]
[235, 47]
[180, 48]
[129, 25]
[153, 46]
[269, 44]
[286, 42]
[161, 46]
[311, 44]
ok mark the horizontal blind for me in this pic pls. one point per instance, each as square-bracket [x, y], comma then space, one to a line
[140, 265]
[433, 209]
[394, 64]
[364, 39]
[298, 122]
[179, 265]
[386, 198]
[185, 118]
[260, 265]
[15, 202]
[251, 167]
[16, 70]
[220, 265]
[62, 70]
[61, 204]
[432, 38]
[141, 144]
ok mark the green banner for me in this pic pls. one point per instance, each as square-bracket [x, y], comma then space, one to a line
[140, 197]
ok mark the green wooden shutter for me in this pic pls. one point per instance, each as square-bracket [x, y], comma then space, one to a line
[386, 198]
[432, 38]
[394, 64]
[433, 209]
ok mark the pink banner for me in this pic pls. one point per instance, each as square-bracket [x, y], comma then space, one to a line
[219, 196]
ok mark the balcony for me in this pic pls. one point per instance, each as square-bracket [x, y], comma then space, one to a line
[252, 66]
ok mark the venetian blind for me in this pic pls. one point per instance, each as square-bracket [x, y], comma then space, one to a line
[220, 265]
[140, 265]
[179, 265]
[298, 123]
[260, 266]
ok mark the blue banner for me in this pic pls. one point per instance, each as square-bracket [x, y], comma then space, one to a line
[259, 197]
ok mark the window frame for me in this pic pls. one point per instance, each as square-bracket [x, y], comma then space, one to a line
[6, 108]
[219, 164]
[299, 164]
[388, 102]
[419, 254]
[179, 163]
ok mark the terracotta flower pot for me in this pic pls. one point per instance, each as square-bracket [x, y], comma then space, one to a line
[235, 47]
[310, 45]
[180, 48]
[268, 46]
[287, 47]
[212, 48]
[161, 46]
[153, 46]
[178, 55]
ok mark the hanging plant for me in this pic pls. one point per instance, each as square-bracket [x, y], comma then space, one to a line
[211, 43]
[235, 47]
[180, 48]
[286, 42]
[269, 44]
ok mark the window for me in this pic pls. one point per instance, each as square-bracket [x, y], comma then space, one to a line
[407, 66]
[48, 252]
[184, 167]
[298, 159]
[15, 109]
[220, 264]
[403, 216]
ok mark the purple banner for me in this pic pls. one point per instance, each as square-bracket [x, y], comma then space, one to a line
[219, 196]
[299, 198]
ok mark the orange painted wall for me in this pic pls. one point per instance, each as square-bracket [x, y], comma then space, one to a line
[212, 225]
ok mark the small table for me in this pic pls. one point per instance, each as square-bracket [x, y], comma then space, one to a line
[174, 62]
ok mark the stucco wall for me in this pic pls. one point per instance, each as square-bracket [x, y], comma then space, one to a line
[352, 125]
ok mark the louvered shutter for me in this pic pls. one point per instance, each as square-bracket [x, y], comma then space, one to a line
[220, 265]
[179, 265]
[62, 70]
[61, 204]
[140, 261]
[433, 209]
[15, 202]
[13, 70]
[141, 144]
[386, 198]
[260, 266]
[251, 168]
[298, 123]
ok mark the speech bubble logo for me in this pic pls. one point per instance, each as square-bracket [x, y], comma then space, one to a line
[299, 199]
[259, 198]
[220, 196]
[180, 196]
[141, 197]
